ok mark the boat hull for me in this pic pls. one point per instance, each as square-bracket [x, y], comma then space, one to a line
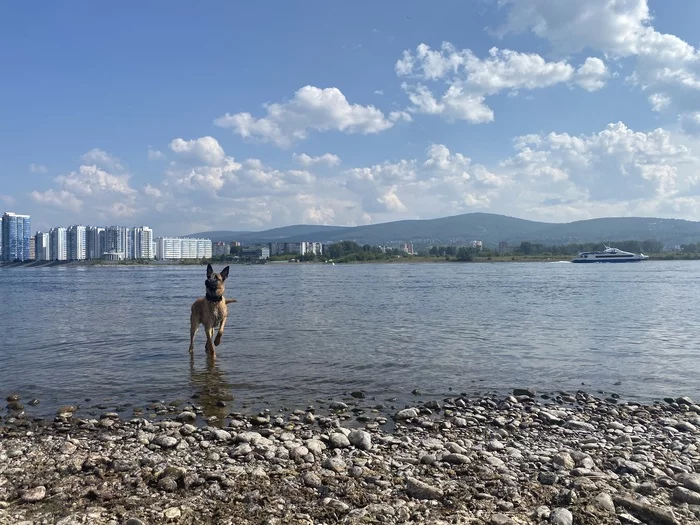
[590, 261]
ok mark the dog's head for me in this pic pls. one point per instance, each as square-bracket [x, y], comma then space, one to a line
[215, 281]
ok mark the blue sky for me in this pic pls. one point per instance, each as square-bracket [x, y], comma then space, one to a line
[239, 116]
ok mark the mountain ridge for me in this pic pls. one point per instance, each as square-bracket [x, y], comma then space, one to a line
[487, 227]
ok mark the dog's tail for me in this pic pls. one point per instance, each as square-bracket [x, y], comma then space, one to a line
[229, 301]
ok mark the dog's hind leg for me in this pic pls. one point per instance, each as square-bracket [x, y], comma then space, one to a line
[217, 341]
[194, 324]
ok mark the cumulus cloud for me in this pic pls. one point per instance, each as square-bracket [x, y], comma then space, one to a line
[103, 159]
[665, 65]
[97, 190]
[615, 164]
[311, 108]
[471, 79]
[327, 159]
[206, 150]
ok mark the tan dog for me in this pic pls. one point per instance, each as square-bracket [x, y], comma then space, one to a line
[210, 310]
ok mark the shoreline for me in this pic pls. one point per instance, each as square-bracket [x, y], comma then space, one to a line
[400, 260]
[523, 458]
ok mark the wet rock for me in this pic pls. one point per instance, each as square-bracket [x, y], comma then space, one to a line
[406, 413]
[187, 417]
[529, 392]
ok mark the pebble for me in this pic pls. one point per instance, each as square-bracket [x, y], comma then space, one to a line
[421, 490]
[165, 441]
[339, 440]
[34, 494]
[360, 439]
[561, 517]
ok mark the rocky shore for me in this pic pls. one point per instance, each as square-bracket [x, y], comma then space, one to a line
[562, 459]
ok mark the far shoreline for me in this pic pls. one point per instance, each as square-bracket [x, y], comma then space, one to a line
[397, 260]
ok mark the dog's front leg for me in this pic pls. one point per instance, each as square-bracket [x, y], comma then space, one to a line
[217, 341]
[194, 324]
[210, 333]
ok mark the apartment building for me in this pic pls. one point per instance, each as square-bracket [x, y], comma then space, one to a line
[176, 248]
[15, 232]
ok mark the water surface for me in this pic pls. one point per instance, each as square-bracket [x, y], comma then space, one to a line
[306, 332]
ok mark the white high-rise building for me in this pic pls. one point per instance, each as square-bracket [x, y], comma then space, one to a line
[175, 248]
[58, 242]
[42, 246]
[95, 242]
[77, 243]
[143, 242]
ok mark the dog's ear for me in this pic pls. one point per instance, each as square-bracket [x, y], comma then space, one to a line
[224, 273]
[210, 270]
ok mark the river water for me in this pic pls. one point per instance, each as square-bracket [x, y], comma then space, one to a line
[303, 332]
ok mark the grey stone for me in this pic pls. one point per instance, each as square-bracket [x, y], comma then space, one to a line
[407, 413]
[420, 490]
[686, 496]
[34, 494]
[164, 441]
[312, 480]
[361, 439]
[561, 516]
[604, 501]
[339, 440]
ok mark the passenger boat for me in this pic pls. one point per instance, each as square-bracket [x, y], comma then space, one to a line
[609, 255]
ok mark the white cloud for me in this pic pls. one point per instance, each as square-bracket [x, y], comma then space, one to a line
[471, 79]
[152, 191]
[38, 168]
[665, 64]
[592, 75]
[59, 198]
[659, 101]
[378, 92]
[91, 180]
[613, 165]
[327, 158]
[206, 150]
[154, 154]
[311, 108]
[97, 191]
[103, 159]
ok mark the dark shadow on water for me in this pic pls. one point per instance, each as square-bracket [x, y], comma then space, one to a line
[211, 388]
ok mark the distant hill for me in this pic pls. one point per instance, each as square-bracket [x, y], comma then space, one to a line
[282, 234]
[487, 227]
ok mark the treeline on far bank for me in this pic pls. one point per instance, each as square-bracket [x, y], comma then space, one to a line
[349, 251]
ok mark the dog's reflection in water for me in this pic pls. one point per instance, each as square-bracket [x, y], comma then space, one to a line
[212, 391]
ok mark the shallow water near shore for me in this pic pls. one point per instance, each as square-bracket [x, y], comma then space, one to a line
[299, 333]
